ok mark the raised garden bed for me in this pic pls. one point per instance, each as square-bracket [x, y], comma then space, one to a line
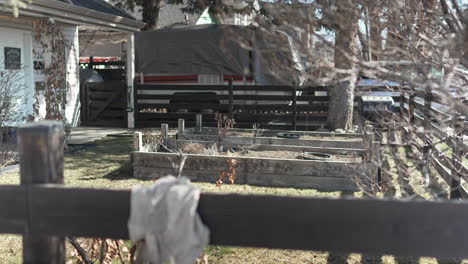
[275, 137]
[325, 175]
[267, 161]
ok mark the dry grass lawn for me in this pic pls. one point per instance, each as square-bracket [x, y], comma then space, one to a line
[105, 164]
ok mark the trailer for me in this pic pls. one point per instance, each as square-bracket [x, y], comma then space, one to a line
[208, 55]
[214, 54]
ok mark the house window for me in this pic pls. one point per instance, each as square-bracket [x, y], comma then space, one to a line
[12, 58]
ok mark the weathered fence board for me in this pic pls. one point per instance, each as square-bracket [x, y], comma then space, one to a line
[250, 164]
[79, 212]
[276, 141]
[190, 122]
[324, 183]
[430, 124]
[402, 228]
[446, 175]
[285, 88]
[259, 171]
[300, 181]
[273, 133]
[246, 104]
[226, 145]
[13, 214]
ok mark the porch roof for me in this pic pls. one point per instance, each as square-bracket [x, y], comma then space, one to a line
[81, 12]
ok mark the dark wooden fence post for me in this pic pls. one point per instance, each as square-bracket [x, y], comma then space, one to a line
[126, 90]
[41, 147]
[164, 133]
[199, 123]
[369, 138]
[411, 106]
[427, 108]
[231, 100]
[457, 156]
[181, 126]
[402, 106]
[427, 125]
[91, 62]
[403, 128]
[87, 104]
[136, 110]
[294, 105]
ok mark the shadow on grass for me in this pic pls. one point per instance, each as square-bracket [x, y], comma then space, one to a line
[337, 258]
[406, 260]
[450, 261]
[122, 173]
[100, 154]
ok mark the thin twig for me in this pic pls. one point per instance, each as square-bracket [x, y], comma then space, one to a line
[102, 257]
[116, 242]
[80, 250]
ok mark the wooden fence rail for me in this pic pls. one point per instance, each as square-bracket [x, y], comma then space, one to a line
[45, 213]
[403, 228]
[429, 124]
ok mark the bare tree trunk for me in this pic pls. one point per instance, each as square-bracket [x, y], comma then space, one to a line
[447, 16]
[375, 30]
[150, 13]
[340, 111]
[365, 47]
[464, 59]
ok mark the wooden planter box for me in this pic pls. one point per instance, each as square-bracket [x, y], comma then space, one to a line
[324, 175]
[177, 144]
[276, 141]
[271, 132]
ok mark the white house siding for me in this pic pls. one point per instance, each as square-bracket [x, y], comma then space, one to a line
[19, 38]
[72, 111]
[39, 77]
[72, 108]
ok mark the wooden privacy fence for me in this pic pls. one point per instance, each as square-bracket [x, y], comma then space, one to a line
[277, 107]
[265, 106]
[44, 212]
[427, 122]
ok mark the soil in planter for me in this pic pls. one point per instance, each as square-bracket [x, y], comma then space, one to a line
[195, 148]
[285, 155]
[303, 137]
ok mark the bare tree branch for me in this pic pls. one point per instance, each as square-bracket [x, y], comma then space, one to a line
[80, 250]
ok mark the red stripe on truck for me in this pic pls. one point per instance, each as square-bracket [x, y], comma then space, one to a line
[171, 82]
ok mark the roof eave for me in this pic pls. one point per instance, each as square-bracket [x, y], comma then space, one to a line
[79, 15]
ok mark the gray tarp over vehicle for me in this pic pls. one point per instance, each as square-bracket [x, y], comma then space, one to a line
[216, 49]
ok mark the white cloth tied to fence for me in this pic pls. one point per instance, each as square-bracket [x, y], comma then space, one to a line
[165, 217]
